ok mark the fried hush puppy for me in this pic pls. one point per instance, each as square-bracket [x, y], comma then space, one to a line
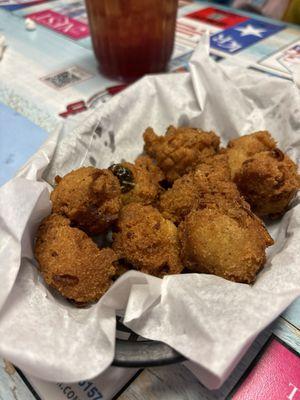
[180, 150]
[180, 199]
[139, 182]
[215, 184]
[89, 197]
[269, 181]
[147, 241]
[264, 175]
[229, 243]
[215, 167]
[244, 147]
[71, 262]
[209, 183]
[148, 164]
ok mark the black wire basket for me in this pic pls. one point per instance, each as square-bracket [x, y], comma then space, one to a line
[133, 351]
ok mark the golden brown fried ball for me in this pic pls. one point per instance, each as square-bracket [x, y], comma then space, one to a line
[71, 262]
[147, 241]
[89, 197]
[264, 175]
[148, 164]
[181, 199]
[269, 181]
[145, 188]
[244, 147]
[209, 183]
[180, 150]
[216, 187]
[228, 242]
[215, 167]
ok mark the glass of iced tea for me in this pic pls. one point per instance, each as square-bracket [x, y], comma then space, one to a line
[132, 38]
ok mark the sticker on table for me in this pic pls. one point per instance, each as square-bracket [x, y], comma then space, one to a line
[220, 18]
[74, 9]
[188, 34]
[60, 23]
[284, 60]
[275, 375]
[103, 387]
[65, 78]
[17, 4]
[243, 35]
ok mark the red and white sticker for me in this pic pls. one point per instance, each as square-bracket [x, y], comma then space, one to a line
[188, 34]
[217, 17]
[61, 24]
[283, 61]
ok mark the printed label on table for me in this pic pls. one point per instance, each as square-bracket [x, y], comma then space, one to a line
[243, 35]
[60, 23]
[220, 18]
[284, 60]
[188, 34]
[74, 9]
[103, 387]
[65, 78]
[276, 375]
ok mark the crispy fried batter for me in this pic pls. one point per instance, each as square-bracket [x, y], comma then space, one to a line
[217, 234]
[89, 197]
[180, 150]
[246, 146]
[264, 175]
[216, 187]
[147, 241]
[269, 181]
[210, 183]
[71, 262]
[177, 202]
[148, 164]
[215, 167]
[145, 189]
[229, 242]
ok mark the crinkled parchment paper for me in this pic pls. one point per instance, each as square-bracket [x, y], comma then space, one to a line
[208, 319]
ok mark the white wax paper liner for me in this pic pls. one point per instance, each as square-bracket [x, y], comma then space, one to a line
[206, 318]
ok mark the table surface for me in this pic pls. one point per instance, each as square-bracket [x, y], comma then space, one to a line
[38, 58]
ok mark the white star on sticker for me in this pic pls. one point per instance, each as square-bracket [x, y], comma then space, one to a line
[250, 30]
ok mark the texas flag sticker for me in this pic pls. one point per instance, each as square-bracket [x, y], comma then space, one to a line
[243, 35]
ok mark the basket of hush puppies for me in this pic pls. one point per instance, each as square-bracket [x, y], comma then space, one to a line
[170, 212]
[184, 205]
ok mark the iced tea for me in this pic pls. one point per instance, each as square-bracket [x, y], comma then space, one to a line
[132, 37]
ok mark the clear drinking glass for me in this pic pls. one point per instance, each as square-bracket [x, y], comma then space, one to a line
[132, 37]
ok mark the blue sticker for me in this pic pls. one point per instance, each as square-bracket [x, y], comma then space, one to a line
[243, 35]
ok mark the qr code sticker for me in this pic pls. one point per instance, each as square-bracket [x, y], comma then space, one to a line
[62, 79]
